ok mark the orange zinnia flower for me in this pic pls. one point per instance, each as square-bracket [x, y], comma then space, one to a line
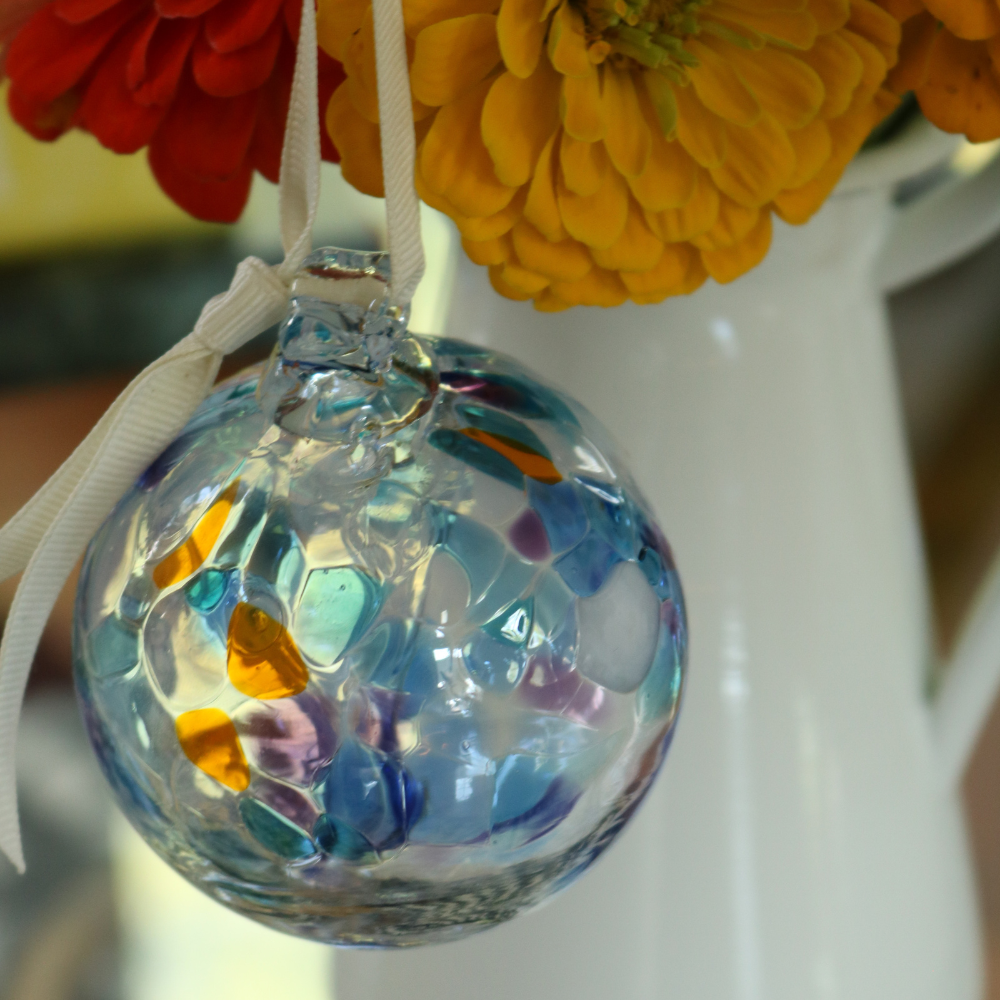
[950, 58]
[592, 151]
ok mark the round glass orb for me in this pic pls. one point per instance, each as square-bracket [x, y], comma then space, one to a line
[386, 647]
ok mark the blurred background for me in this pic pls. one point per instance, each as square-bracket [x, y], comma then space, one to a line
[100, 274]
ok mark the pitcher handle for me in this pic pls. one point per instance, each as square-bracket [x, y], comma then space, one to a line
[926, 233]
[959, 213]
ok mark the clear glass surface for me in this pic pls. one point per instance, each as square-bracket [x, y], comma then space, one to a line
[386, 647]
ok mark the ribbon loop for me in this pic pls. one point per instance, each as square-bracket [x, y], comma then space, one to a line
[45, 538]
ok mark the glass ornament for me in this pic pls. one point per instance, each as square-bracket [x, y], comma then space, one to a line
[386, 647]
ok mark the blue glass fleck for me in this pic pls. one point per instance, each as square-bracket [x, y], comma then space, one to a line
[277, 542]
[612, 515]
[532, 797]
[166, 462]
[586, 567]
[274, 832]
[367, 790]
[237, 542]
[479, 549]
[114, 646]
[513, 624]
[205, 591]
[478, 455]
[341, 840]
[660, 692]
[335, 608]
[561, 510]
[499, 424]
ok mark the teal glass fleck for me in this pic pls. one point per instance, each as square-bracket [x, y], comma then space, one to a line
[387, 646]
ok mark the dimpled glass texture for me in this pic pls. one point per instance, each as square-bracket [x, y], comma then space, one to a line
[386, 647]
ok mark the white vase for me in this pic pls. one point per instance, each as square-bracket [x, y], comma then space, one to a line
[804, 839]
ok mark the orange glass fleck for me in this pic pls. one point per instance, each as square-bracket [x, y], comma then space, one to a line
[182, 562]
[526, 459]
[208, 738]
[264, 661]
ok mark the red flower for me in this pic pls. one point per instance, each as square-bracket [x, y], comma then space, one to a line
[203, 83]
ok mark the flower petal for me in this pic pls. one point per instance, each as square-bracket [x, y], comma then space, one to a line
[78, 11]
[847, 134]
[568, 42]
[720, 87]
[489, 226]
[336, 22]
[667, 275]
[542, 207]
[452, 56]
[637, 249]
[486, 252]
[698, 215]
[969, 19]
[732, 226]
[840, 68]
[183, 8]
[48, 56]
[597, 219]
[787, 89]
[521, 32]
[598, 288]
[236, 23]
[627, 137]
[233, 73]
[456, 164]
[874, 68]
[830, 15]
[581, 107]
[532, 104]
[208, 136]
[961, 93]
[208, 200]
[760, 162]
[359, 143]
[795, 28]
[813, 147]
[501, 286]
[419, 14]
[700, 132]
[45, 120]
[522, 280]
[566, 260]
[903, 10]
[881, 28]
[730, 263]
[157, 59]
[582, 163]
[910, 73]
[669, 178]
[108, 109]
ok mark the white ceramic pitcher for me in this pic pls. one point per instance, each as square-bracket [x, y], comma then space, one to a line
[805, 838]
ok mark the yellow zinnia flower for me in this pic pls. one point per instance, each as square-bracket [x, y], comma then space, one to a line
[950, 58]
[592, 151]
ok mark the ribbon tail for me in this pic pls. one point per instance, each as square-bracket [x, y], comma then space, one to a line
[143, 421]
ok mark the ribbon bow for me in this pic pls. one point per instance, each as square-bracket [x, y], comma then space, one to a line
[45, 538]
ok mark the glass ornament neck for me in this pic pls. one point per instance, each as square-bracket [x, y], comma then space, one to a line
[340, 315]
[345, 370]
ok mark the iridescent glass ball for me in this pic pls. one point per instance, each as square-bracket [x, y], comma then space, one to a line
[386, 647]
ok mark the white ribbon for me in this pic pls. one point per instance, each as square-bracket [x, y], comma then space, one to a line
[45, 538]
